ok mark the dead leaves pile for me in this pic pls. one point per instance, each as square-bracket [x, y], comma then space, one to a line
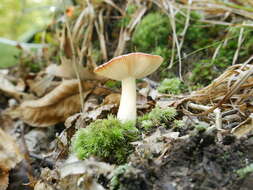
[56, 106]
[74, 175]
[9, 157]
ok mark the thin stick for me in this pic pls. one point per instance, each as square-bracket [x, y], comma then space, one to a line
[173, 25]
[74, 60]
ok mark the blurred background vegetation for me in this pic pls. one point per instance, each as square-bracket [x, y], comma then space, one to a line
[18, 18]
[198, 41]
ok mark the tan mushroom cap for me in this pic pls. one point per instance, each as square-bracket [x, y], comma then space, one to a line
[137, 65]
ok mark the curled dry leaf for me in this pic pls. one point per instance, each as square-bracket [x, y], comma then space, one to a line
[113, 98]
[154, 144]
[67, 70]
[9, 89]
[40, 85]
[244, 128]
[75, 175]
[56, 106]
[9, 157]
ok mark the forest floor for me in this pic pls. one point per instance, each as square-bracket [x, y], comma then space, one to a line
[194, 128]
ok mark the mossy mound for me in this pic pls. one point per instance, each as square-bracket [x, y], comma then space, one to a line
[171, 86]
[107, 139]
[156, 117]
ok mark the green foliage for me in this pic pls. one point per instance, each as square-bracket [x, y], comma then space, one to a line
[164, 52]
[96, 55]
[198, 37]
[44, 37]
[108, 139]
[131, 8]
[157, 116]
[17, 17]
[204, 72]
[8, 55]
[171, 86]
[117, 173]
[201, 38]
[201, 127]
[113, 84]
[153, 30]
[245, 171]
[178, 123]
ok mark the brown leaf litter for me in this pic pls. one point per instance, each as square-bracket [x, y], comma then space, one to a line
[74, 175]
[9, 157]
[54, 107]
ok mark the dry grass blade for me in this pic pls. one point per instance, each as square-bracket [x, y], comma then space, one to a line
[126, 32]
[110, 2]
[56, 106]
[244, 128]
[232, 86]
[80, 24]
[216, 6]
[9, 89]
[100, 30]
[67, 71]
[170, 9]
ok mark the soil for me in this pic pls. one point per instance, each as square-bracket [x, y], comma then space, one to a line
[200, 162]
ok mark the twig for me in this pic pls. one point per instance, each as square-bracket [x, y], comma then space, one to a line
[198, 107]
[187, 22]
[218, 119]
[74, 60]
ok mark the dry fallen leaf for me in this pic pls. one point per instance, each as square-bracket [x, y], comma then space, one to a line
[113, 98]
[74, 175]
[244, 128]
[67, 70]
[56, 106]
[9, 157]
[40, 84]
[8, 88]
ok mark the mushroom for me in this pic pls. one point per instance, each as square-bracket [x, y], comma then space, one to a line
[127, 68]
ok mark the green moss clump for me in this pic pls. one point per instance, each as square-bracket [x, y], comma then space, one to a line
[115, 181]
[201, 127]
[96, 55]
[156, 117]
[113, 84]
[206, 68]
[171, 86]
[130, 9]
[164, 52]
[204, 72]
[153, 30]
[108, 139]
[245, 171]
[178, 123]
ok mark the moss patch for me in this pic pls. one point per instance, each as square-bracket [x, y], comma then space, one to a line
[171, 86]
[156, 117]
[108, 139]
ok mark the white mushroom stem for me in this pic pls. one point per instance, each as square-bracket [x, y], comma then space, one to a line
[127, 108]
